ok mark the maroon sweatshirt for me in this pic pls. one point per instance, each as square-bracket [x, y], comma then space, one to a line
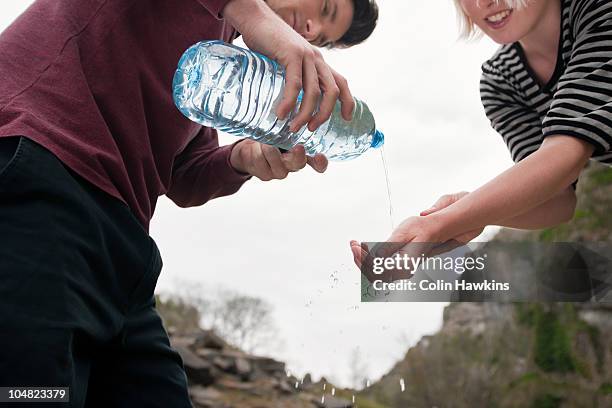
[91, 80]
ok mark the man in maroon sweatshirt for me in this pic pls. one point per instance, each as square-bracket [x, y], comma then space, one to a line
[90, 138]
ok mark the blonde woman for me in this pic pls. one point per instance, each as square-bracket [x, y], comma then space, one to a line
[548, 92]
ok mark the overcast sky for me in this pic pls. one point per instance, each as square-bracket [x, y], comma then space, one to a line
[288, 241]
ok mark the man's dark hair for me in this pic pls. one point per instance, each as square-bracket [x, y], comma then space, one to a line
[365, 16]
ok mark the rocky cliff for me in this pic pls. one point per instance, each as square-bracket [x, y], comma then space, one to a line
[507, 355]
[536, 355]
[222, 376]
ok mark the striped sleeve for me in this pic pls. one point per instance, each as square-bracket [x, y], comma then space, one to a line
[582, 104]
[519, 126]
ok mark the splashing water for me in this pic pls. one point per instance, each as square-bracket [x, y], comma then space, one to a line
[382, 154]
[335, 280]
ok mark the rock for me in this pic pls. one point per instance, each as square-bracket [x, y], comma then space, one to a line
[307, 380]
[237, 385]
[333, 402]
[242, 368]
[184, 341]
[198, 371]
[207, 354]
[284, 387]
[598, 318]
[225, 364]
[206, 397]
[209, 339]
[235, 353]
[269, 366]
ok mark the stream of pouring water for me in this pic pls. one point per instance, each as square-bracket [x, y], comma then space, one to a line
[382, 154]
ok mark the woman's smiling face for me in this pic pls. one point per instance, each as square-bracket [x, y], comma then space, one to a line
[502, 23]
[320, 22]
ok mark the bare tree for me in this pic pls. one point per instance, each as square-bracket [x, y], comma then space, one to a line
[243, 321]
[178, 315]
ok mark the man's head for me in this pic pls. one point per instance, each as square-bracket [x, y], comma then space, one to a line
[329, 23]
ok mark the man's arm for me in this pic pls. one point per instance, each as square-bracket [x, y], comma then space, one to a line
[203, 171]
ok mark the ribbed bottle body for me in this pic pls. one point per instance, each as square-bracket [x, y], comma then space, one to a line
[236, 91]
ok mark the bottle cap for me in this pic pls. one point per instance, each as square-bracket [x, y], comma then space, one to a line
[378, 139]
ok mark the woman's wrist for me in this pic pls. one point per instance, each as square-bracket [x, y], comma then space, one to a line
[452, 221]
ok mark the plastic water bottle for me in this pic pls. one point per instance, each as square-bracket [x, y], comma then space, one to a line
[236, 90]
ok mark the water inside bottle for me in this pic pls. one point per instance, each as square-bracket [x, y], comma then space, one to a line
[384, 162]
[236, 90]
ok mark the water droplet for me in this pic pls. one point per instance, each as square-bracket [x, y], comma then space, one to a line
[333, 391]
[353, 399]
[367, 383]
[335, 280]
[324, 385]
[323, 399]
[402, 385]
[296, 384]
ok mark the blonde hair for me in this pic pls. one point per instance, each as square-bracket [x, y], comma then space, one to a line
[467, 29]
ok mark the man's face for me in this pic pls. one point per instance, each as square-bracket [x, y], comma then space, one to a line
[501, 23]
[320, 22]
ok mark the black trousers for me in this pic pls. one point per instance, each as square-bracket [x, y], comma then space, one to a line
[77, 276]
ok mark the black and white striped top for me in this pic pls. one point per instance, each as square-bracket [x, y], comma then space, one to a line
[577, 101]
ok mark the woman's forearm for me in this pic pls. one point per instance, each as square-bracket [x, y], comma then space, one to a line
[526, 185]
[557, 210]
